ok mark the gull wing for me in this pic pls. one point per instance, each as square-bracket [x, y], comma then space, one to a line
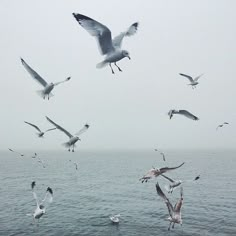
[197, 78]
[60, 128]
[50, 129]
[179, 204]
[48, 197]
[67, 79]
[36, 127]
[171, 180]
[165, 169]
[34, 74]
[163, 196]
[98, 30]
[117, 41]
[188, 114]
[163, 156]
[85, 128]
[188, 77]
[33, 184]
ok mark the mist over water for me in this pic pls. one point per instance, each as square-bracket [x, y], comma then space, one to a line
[107, 182]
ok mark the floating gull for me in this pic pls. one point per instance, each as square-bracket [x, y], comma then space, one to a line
[40, 134]
[41, 206]
[193, 82]
[46, 92]
[15, 152]
[72, 139]
[174, 212]
[154, 172]
[115, 218]
[182, 112]
[221, 125]
[108, 46]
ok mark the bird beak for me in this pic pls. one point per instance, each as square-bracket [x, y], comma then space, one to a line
[129, 57]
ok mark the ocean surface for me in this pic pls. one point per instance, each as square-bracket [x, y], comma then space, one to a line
[107, 182]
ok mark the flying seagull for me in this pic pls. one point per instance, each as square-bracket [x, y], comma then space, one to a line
[221, 125]
[154, 172]
[182, 112]
[11, 150]
[174, 184]
[40, 134]
[72, 139]
[193, 82]
[41, 205]
[47, 87]
[174, 212]
[109, 47]
[163, 156]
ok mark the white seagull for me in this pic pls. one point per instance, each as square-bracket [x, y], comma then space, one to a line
[115, 218]
[47, 87]
[193, 82]
[40, 134]
[174, 212]
[182, 112]
[154, 172]
[72, 139]
[108, 46]
[41, 205]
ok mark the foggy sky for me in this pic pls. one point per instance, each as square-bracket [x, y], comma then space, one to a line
[128, 109]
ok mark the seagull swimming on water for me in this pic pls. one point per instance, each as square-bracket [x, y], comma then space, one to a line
[40, 134]
[174, 212]
[72, 139]
[47, 87]
[193, 82]
[108, 46]
[182, 112]
[154, 172]
[41, 205]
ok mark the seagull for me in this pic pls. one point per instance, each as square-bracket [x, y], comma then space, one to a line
[193, 82]
[108, 46]
[76, 166]
[16, 152]
[174, 184]
[163, 156]
[115, 218]
[72, 139]
[35, 155]
[40, 134]
[221, 125]
[182, 112]
[47, 88]
[154, 172]
[41, 206]
[174, 212]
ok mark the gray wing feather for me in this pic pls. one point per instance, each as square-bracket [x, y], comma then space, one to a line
[165, 169]
[196, 79]
[60, 128]
[117, 41]
[36, 127]
[98, 30]
[34, 74]
[187, 76]
[188, 114]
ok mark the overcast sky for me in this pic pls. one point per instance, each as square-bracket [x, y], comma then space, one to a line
[128, 109]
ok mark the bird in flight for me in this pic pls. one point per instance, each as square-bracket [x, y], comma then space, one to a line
[11, 150]
[40, 133]
[109, 47]
[47, 87]
[182, 112]
[193, 82]
[221, 125]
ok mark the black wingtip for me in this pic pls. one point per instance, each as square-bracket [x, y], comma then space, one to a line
[49, 190]
[22, 60]
[80, 17]
[33, 185]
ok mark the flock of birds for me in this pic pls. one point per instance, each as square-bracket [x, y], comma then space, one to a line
[111, 49]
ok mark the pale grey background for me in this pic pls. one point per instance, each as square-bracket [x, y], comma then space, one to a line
[128, 109]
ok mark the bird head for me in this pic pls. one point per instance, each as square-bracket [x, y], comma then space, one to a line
[125, 54]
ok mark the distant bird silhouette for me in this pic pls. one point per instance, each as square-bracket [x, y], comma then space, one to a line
[193, 82]
[182, 112]
[40, 134]
[11, 150]
[221, 125]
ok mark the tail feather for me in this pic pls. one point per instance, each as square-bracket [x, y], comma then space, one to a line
[43, 95]
[101, 64]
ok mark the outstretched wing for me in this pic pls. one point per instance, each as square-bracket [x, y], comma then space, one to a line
[98, 30]
[117, 41]
[188, 77]
[33, 184]
[165, 169]
[34, 74]
[197, 78]
[36, 127]
[60, 128]
[179, 204]
[188, 115]
[67, 79]
[48, 197]
[85, 128]
[50, 129]
[163, 196]
[171, 180]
